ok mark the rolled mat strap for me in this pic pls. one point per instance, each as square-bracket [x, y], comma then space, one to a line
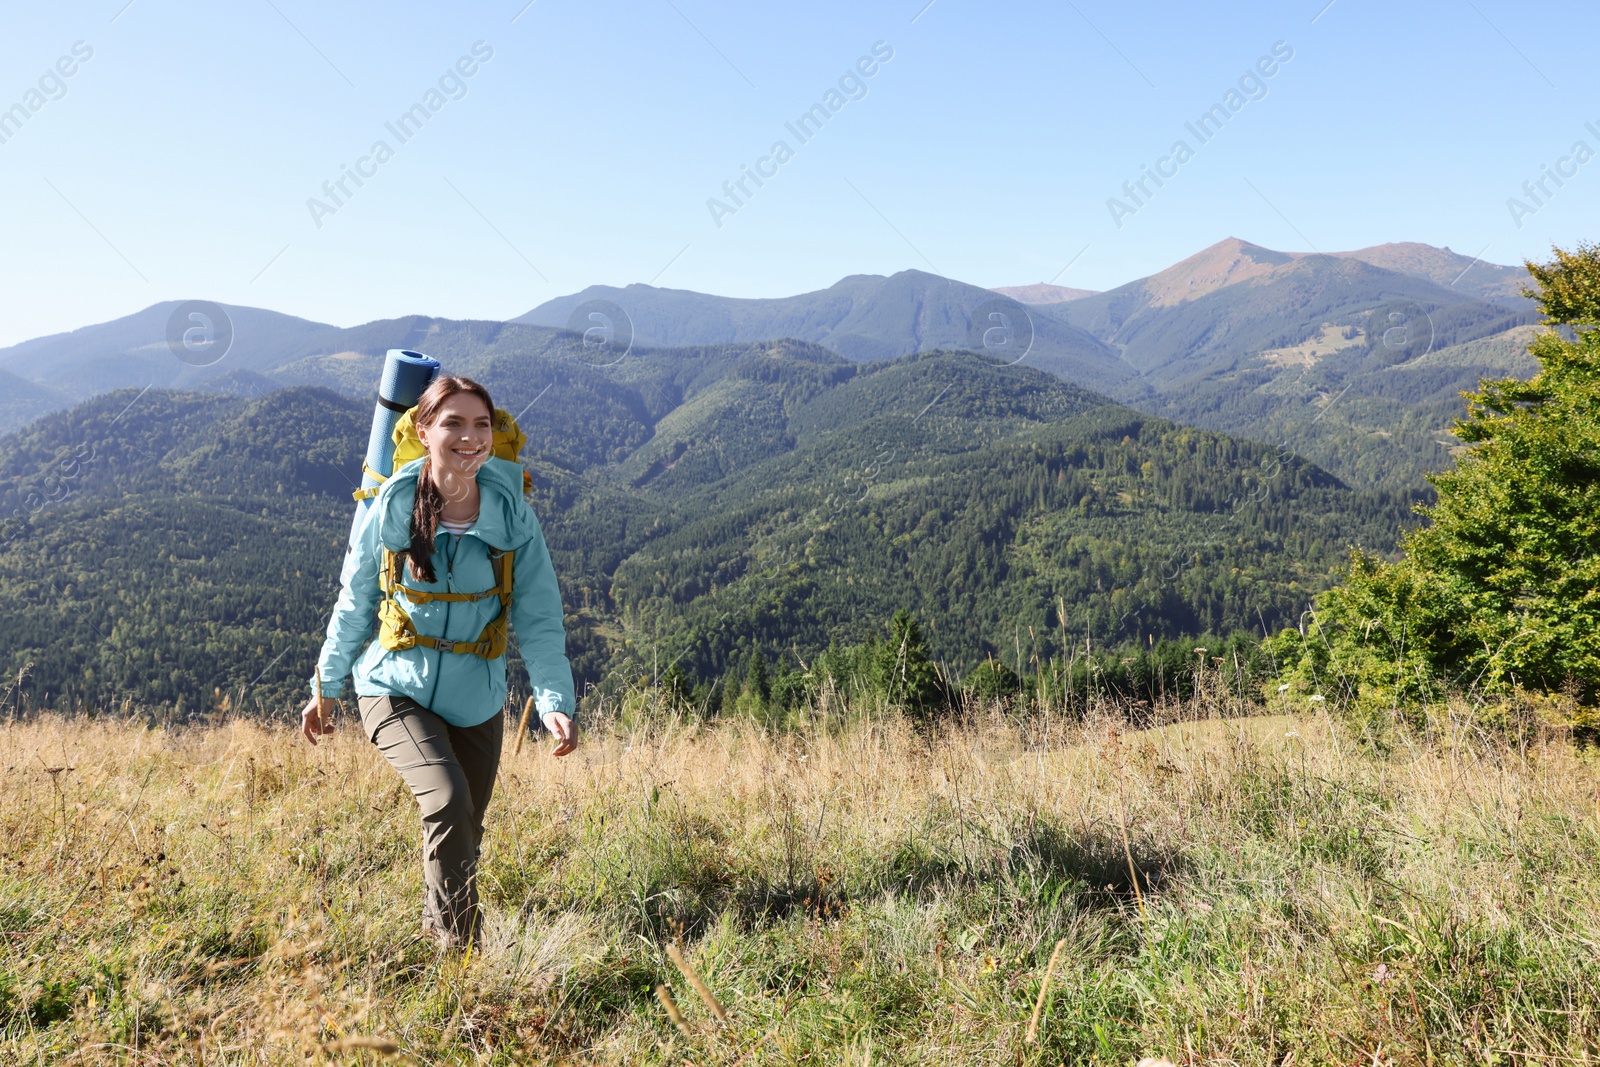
[393, 405]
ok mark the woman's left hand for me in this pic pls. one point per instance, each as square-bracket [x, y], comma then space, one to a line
[566, 734]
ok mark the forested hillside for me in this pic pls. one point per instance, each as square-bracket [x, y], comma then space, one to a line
[701, 504]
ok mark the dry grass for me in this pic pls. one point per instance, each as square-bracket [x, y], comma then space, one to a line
[850, 892]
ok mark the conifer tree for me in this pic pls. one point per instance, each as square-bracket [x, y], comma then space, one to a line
[906, 675]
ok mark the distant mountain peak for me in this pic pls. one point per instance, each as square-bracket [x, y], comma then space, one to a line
[1451, 269]
[913, 274]
[1043, 293]
[1225, 263]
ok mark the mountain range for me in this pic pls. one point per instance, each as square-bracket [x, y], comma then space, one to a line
[1276, 346]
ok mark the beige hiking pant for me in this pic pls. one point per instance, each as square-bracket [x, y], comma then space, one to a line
[450, 770]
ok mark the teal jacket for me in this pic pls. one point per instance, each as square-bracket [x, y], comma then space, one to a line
[461, 688]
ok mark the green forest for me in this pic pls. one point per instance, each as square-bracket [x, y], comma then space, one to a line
[707, 509]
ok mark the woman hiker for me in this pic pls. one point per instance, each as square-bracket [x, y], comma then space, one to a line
[436, 713]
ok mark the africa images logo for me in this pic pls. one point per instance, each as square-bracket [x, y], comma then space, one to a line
[199, 332]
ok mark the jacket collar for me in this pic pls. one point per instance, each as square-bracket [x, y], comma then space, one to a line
[504, 518]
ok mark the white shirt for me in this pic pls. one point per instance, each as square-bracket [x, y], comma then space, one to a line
[458, 527]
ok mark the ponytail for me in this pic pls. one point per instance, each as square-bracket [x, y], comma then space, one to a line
[425, 512]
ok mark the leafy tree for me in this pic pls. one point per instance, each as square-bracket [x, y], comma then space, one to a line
[1503, 587]
[1569, 286]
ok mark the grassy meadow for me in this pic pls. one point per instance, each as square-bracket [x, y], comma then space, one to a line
[1272, 888]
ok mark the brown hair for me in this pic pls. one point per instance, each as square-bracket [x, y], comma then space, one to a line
[429, 503]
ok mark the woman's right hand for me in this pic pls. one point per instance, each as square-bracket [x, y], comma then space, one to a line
[317, 717]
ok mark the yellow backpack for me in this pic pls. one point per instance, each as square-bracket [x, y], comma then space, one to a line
[397, 632]
[508, 442]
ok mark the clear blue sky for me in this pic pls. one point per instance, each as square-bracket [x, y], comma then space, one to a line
[177, 161]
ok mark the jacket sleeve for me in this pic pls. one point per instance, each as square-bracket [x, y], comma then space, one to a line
[353, 613]
[541, 635]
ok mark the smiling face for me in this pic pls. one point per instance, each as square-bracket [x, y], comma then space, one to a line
[459, 439]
